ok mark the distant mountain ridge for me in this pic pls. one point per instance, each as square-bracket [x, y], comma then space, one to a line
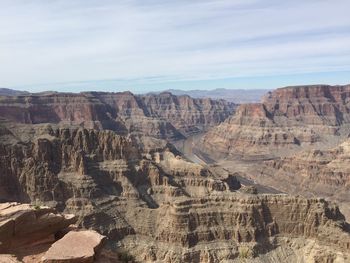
[238, 96]
[12, 92]
[231, 95]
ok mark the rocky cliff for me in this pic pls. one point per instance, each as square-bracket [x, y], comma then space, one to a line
[89, 155]
[286, 119]
[156, 205]
[163, 116]
[295, 141]
[319, 172]
[80, 170]
[236, 228]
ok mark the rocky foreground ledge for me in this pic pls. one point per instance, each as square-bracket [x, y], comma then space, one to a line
[39, 234]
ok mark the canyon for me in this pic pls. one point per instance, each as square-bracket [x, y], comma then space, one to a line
[162, 116]
[165, 178]
[295, 140]
[290, 118]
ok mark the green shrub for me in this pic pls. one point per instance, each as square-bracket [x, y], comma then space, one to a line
[244, 252]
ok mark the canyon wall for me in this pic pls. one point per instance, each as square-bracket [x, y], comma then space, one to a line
[94, 155]
[313, 172]
[287, 119]
[163, 116]
[141, 193]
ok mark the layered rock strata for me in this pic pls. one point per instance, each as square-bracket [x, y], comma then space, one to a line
[287, 119]
[313, 172]
[143, 194]
[152, 203]
[229, 228]
[89, 172]
[163, 116]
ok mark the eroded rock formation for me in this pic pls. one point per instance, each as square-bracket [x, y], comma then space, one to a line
[33, 233]
[75, 247]
[152, 203]
[220, 228]
[286, 120]
[23, 224]
[313, 172]
[164, 116]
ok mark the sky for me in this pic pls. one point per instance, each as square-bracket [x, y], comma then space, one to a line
[152, 45]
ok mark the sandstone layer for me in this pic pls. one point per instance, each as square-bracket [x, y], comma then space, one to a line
[286, 120]
[33, 234]
[234, 227]
[313, 172]
[156, 205]
[163, 116]
[22, 224]
[74, 247]
[152, 203]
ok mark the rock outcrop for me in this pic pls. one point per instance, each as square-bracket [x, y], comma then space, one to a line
[75, 247]
[29, 231]
[90, 172]
[287, 119]
[313, 172]
[226, 228]
[152, 203]
[22, 224]
[142, 193]
[163, 116]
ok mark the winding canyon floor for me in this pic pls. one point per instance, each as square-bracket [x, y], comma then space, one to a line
[253, 171]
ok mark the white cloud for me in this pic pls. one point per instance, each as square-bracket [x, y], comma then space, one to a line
[61, 41]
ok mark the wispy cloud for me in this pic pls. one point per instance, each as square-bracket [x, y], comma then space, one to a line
[66, 41]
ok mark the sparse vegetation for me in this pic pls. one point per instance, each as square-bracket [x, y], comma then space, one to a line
[36, 204]
[126, 257]
[244, 252]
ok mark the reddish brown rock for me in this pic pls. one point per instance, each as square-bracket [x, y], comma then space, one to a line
[75, 247]
[286, 119]
[7, 258]
[323, 172]
[163, 116]
[22, 224]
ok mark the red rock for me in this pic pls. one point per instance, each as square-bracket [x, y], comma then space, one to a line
[163, 116]
[22, 224]
[285, 119]
[7, 258]
[74, 247]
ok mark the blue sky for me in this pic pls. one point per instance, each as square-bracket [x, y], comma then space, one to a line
[144, 45]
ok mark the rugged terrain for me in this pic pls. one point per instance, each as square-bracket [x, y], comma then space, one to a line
[163, 116]
[286, 120]
[314, 172]
[150, 201]
[33, 234]
[295, 141]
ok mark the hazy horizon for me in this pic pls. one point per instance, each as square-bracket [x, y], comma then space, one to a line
[159, 45]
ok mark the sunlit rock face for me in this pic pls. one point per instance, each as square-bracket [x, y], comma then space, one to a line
[110, 168]
[286, 120]
[163, 116]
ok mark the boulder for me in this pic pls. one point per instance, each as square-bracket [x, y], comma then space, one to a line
[22, 224]
[7, 258]
[75, 247]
